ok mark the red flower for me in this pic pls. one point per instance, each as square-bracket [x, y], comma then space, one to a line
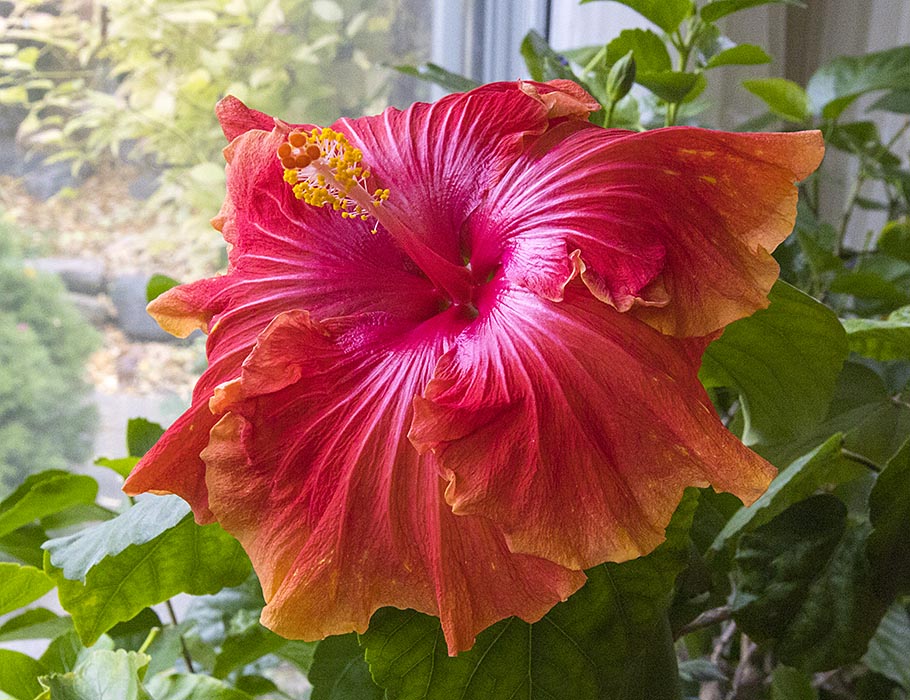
[460, 365]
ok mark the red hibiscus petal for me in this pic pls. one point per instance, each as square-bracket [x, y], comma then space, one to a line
[575, 427]
[284, 255]
[310, 469]
[236, 118]
[679, 222]
[440, 159]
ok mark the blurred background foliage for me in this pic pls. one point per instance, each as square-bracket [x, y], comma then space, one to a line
[120, 79]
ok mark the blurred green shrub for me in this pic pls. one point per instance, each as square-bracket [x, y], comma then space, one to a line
[112, 78]
[45, 419]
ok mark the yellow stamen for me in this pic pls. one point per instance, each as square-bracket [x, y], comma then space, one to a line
[324, 169]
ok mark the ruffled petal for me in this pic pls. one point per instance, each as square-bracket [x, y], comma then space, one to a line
[575, 427]
[677, 222]
[284, 255]
[311, 470]
[440, 159]
[236, 118]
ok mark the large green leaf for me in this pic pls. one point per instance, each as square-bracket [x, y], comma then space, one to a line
[713, 11]
[609, 640]
[339, 671]
[246, 641]
[783, 97]
[669, 85]
[100, 675]
[740, 55]
[784, 362]
[894, 240]
[802, 478]
[647, 48]
[19, 675]
[158, 285]
[44, 494]
[666, 14]
[804, 587]
[881, 340]
[36, 623]
[889, 648]
[889, 511]
[141, 435]
[835, 85]
[542, 61]
[24, 544]
[149, 518]
[180, 686]
[20, 585]
[788, 683]
[186, 558]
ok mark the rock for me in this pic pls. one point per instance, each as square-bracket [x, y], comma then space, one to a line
[44, 180]
[80, 275]
[128, 294]
[96, 309]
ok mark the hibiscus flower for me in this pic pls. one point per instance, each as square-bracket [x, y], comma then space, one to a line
[453, 361]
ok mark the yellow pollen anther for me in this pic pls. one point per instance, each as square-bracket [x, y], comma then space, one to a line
[324, 169]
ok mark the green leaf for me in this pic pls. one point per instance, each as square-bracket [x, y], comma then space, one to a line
[24, 544]
[44, 494]
[881, 340]
[610, 640]
[64, 652]
[439, 76]
[713, 11]
[824, 465]
[803, 586]
[783, 97]
[37, 623]
[889, 512]
[666, 14]
[247, 640]
[740, 55]
[158, 285]
[895, 240]
[20, 585]
[784, 361]
[141, 436]
[186, 558]
[339, 671]
[101, 675]
[256, 685]
[77, 554]
[542, 61]
[788, 683]
[647, 48]
[19, 675]
[122, 465]
[897, 101]
[179, 686]
[887, 652]
[838, 83]
[668, 85]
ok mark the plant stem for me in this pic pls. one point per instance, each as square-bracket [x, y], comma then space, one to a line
[183, 648]
[860, 459]
[706, 619]
[608, 120]
[153, 633]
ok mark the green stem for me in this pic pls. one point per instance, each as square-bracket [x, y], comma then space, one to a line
[608, 120]
[153, 633]
[183, 648]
